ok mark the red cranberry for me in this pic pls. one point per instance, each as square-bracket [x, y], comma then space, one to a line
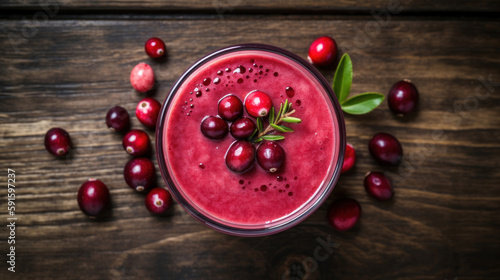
[385, 148]
[155, 47]
[349, 158]
[344, 214]
[57, 141]
[136, 142]
[139, 174]
[214, 127]
[147, 111]
[378, 185]
[242, 128]
[270, 156]
[93, 197]
[322, 51]
[258, 104]
[230, 108]
[403, 97]
[118, 119]
[158, 201]
[142, 77]
[240, 156]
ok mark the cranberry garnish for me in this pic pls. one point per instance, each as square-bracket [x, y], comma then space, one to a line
[142, 77]
[158, 201]
[349, 158]
[139, 173]
[93, 197]
[136, 142]
[258, 104]
[385, 148]
[147, 111]
[270, 156]
[242, 128]
[344, 214]
[403, 97]
[322, 51]
[117, 119]
[378, 185]
[57, 141]
[155, 47]
[214, 127]
[240, 156]
[230, 107]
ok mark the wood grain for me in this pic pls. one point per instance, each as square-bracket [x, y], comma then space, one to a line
[442, 224]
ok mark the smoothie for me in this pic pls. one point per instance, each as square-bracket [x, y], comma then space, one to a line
[197, 166]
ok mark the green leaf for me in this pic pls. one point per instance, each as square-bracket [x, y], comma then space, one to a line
[281, 128]
[279, 112]
[291, 120]
[271, 115]
[253, 134]
[258, 140]
[260, 125]
[273, 137]
[362, 103]
[285, 107]
[343, 78]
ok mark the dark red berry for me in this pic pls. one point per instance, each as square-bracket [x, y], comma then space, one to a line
[57, 141]
[258, 104]
[386, 149]
[344, 214]
[322, 51]
[230, 107]
[136, 142]
[147, 111]
[349, 158]
[142, 77]
[158, 201]
[270, 156]
[139, 174]
[403, 97]
[93, 197]
[214, 127]
[240, 156]
[242, 128]
[378, 185]
[155, 47]
[118, 119]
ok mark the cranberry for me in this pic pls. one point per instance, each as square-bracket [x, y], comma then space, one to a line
[242, 128]
[93, 197]
[155, 47]
[214, 127]
[378, 185]
[147, 111]
[258, 104]
[322, 51]
[344, 214]
[139, 173]
[385, 148]
[240, 156]
[349, 158]
[230, 108]
[118, 119]
[158, 201]
[403, 97]
[142, 77]
[270, 156]
[136, 142]
[57, 141]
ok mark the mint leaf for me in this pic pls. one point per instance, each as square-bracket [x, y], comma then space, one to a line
[343, 78]
[362, 103]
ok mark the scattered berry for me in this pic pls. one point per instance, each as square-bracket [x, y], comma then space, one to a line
[139, 174]
[147, 111]
[136, 142]
[93, 197]
[57, 141]
[258, 104]
[142, 77]
[322, 51]
[158, 201]
[344, 214]
[403, 97]
[240, 156]
[230, 108]
[386, 149]
[118, 119]
[378, 185]
[270, 156]
[349, 158]
[155, 47]
[242, 128]
[214, 127]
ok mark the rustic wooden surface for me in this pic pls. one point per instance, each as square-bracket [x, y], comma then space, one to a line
[442, 224]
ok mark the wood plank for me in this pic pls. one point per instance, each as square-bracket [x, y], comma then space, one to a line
[443, 222]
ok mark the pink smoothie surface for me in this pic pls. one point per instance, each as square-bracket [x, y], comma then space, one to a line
[197, 164]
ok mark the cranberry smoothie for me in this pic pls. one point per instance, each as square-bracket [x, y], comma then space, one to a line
[197, 164]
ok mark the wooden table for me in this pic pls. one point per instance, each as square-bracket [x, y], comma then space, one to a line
[64, 64]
